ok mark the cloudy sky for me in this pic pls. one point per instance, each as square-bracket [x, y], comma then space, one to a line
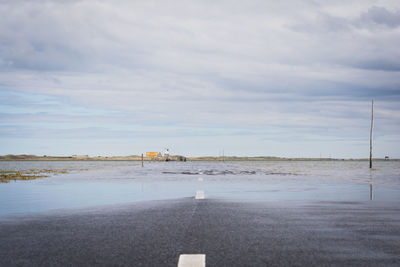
[278, 78]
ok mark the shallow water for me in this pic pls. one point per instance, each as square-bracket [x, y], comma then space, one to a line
[102, 183]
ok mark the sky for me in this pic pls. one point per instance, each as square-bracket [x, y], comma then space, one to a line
[246, 78]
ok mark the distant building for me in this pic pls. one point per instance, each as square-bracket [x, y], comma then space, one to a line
[166, 154]
[152, 155]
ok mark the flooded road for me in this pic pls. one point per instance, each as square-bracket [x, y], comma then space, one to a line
[229, 213]
[90, 184]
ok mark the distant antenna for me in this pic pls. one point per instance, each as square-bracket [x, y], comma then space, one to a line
[370, 135]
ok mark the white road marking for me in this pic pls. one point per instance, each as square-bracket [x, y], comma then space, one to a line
[200, 179]
[199, 194]
[192, 260]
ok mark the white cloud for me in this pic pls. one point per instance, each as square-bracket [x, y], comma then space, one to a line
[255, 67]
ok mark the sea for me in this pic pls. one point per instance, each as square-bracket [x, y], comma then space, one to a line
[104, 183]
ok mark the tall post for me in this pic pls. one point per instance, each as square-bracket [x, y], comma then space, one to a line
[142, 160]
[370, 135]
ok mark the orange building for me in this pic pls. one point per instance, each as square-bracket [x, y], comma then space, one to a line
[152, 154]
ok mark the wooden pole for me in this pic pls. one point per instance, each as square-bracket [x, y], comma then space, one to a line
[370, 135]
[142, 160]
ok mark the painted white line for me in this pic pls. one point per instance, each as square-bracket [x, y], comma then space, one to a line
[192, 260]
[199, 194]
[201, 179]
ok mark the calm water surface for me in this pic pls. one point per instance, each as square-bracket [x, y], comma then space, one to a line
[101, 183]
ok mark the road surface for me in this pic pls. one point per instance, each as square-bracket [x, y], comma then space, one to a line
[229, 233]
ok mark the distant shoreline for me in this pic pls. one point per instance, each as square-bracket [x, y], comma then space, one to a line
[172, 158]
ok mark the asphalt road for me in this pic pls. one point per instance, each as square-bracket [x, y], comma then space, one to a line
[155, 233]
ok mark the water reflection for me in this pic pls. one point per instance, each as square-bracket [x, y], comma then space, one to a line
[371, 192]
[371, 187]
[122, 182]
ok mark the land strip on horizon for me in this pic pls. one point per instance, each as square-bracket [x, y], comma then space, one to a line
[172, 158]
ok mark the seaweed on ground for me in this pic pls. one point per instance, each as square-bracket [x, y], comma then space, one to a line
[23, 175]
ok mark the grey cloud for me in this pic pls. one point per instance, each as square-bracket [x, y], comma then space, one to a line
[193, 37]
[35, 36]
[323, 22]
[379, 64]
[381, 16]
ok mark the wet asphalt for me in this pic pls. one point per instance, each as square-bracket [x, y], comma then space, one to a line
[155, 233]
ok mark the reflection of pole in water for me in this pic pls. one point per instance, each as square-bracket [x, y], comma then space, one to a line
[371, 187]
[371, 192]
